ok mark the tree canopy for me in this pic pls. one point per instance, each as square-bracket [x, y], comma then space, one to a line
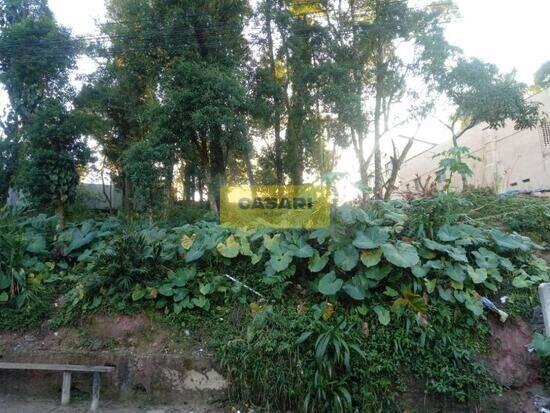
[190, 95]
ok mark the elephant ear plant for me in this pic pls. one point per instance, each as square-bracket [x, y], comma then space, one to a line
[23, 249]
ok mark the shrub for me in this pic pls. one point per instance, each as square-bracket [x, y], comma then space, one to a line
[314, 360]
[24, 246]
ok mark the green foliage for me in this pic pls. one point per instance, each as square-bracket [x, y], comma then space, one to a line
[480, 93]
[55, 153]
[45, 150]
[409, 306]
[528, 215]
[141, 162]
[280, 359]
[453, 262]
[24, 245]
[541, 344]
[453, 162]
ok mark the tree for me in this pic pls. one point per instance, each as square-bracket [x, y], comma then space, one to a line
[54, 155]
[206, 105]
[117, 97]
[45, 148]
[372, 75]
[479, 93]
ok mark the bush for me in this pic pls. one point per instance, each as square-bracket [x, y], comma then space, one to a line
[24, 250]
[311, 360]
[522, 213]
[399, 289]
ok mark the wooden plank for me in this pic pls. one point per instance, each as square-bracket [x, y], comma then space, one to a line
[56, 367]
[66, 389]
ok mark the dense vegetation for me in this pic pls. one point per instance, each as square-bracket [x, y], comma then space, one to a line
[334, 319]
[190, 95]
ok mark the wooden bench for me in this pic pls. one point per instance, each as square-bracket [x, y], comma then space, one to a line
[66, 369]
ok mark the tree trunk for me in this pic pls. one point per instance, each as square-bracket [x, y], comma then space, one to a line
[60, 213]
[169, 184]
[378, 177]
[249, 169]
[217, 171]
[107, 197]
[127, 205]
[357, 140]
[378, 174]
[397, 161]
[277, 100]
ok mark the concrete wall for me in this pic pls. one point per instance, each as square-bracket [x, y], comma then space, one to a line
[90, 195]
[510, 159]
[93, 197]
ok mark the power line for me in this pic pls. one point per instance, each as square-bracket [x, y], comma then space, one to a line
[220, 28]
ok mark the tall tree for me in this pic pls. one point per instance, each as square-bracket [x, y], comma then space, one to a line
[118, 96]
[380, 50]
[36, 55]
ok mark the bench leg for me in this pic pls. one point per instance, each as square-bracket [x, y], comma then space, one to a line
[66, 389]
[95, 392]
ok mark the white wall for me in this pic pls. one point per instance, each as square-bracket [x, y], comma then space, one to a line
[510, 159]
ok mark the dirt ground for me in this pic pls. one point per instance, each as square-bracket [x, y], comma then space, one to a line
[11, 404]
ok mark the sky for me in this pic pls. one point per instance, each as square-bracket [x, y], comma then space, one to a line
[512, 34]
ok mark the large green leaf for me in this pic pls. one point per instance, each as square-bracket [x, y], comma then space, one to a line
[541, 344]
[456, 253]
[4, 297]
[455, 271]
[477, 275]
[448, 233]
[511, 241]
[346, 258]
[166, 290]
[230, 248]
[354, 290]
[320, 235]
[301, 249]
[79, 240]
[183, 275]
[273, 244]
[198, 249]
[329, 284]
[280, 262]
[420, 271]
[5, 281]
[37, 244]
[474, 305]
[318, 262]
[522, 280]
[401, 254]
[370, 258]
[379, 272]
[372, 238]
[383, 315]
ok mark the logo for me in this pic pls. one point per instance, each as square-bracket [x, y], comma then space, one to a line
[275, 206]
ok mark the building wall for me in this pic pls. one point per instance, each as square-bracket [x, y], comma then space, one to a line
[93, 197]
[509, 159]
[90, 195]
